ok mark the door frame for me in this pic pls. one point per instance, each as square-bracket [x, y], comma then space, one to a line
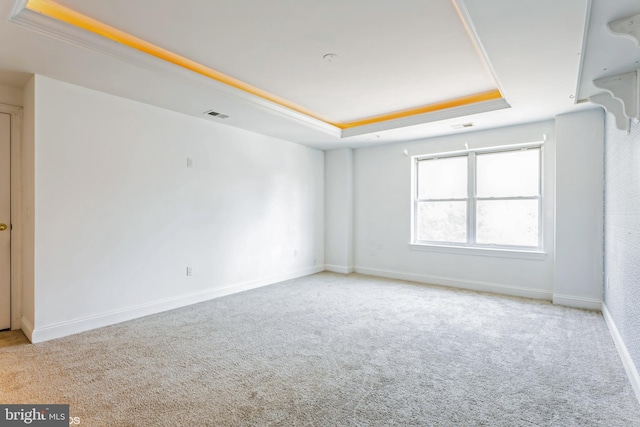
[16, 212]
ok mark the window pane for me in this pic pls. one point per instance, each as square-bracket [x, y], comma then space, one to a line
[508, 174]
[442, 222]
[507, 222]
[442, 178]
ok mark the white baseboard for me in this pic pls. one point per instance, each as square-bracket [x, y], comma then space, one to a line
[629, 366]
[459, 283]
[339, 268]
[27, 328]
[577, 302]
[75, 326]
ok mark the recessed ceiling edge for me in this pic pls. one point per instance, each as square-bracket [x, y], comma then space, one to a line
[449, 113]
[48, 18]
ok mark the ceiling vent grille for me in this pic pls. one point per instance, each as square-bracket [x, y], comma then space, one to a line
[216, 114]
[462, 126]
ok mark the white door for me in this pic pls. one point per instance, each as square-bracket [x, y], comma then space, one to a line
[5, 221]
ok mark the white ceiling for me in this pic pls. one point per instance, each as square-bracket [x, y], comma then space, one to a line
[391, 56]
[534, 48]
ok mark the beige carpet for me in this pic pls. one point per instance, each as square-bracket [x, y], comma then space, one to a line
[333, 350]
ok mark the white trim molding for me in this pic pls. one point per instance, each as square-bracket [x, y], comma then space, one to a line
[27, 328]
[629, 366]
[468, 250]
[344, 269]
[434, 116]
[577, 302]
[473, 285]
[75, 326]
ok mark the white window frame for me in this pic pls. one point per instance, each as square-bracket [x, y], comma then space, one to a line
[471, 246]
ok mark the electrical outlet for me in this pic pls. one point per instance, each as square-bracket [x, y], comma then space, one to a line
[189, 271]
[189, 162]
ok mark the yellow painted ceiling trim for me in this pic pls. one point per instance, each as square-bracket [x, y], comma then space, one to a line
[71, 17]
[458, 102]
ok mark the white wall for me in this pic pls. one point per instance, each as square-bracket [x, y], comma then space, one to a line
[622, 242]
[571, 271]
[119, 216]
[382, 181]
[339, 210]
[579, 208]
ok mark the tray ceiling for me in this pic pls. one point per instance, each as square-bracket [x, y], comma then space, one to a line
[399, 62]
[398, 65]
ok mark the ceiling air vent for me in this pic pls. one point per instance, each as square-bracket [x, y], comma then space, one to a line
[216, 114]
[462, 126]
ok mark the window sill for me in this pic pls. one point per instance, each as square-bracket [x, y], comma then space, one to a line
[491, 252]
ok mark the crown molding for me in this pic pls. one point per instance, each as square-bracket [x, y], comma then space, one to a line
[449, 113]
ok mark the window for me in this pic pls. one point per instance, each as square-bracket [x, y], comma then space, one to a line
[488, 198]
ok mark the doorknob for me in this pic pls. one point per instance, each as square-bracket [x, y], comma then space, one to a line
[3, 227]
